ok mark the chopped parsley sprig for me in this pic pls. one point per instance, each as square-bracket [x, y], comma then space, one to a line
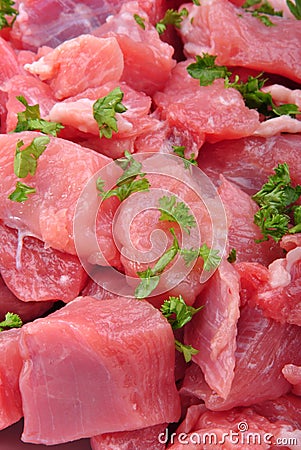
[206, 71]
[210, 256]
[6, 9]
[30, 120]
[11, 321]
[174, 211]
[295, 8]
[105, 110]
[278, 213]
[25, 163]
[132, 180]
[262, 12]
[178, 315]
[171, 17]
[180, 151]
[140, 21]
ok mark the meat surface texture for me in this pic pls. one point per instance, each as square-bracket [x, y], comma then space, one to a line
[80, 376]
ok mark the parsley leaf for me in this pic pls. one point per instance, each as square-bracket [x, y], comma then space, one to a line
[210, 256]
[232, 256]
[297, 220]
[187, 350]
[127, 183]
[276, 199]
[177, 312]
[21, 192]
[171, 17]
[264, 10]
[180, 151]
[174, 211]
[25, 161]
[295, 8]
[6, 9]
[205, 69]
[140, 21]
[104, 112]
[196, 2]
[30, 120]
[11, 321]
[151, 276]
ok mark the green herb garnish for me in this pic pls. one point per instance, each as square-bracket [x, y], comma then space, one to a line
[174, 211]
[171, 17]
[104, 112]
[11, 321]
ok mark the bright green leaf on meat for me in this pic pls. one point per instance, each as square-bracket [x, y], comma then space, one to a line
[262, 11]
[205, 69]
[6, 9]
[25, 161]
[297, 220]
[232, 256]
[127, 183]
[254, 98]
[174, 211]
[151, 276]
[278, 214]
[171, 17]
[11, 321]
[196, 2]
[140, 21]
[180, 151]
[30, 120]
[209, 255]
[295, 8]
[21, 192]
[187, 350]
[105, 110]
[177, 312]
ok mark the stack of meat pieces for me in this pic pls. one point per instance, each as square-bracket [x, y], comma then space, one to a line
[92, 363]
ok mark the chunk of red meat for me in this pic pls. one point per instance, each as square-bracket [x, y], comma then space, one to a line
[63, 171]
[34, 91]
[80, 376]
[35, 273]
[248, 162]
[245, 42]
[263, 346]
[279, 296]
[146, 438]
[293, 375]
[141, 48]
[252, 275]
[240, 428]
[210, 112]
[27, 311]
[77, 114]
[10, 366]
[291, 241]
[213, 330]
[98, 61]
[286, 408]
[8, 62]
[243, 233]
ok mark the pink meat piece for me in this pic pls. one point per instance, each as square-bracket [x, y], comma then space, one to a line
[249, 43]
[10, 367]
[263, 347]
[53, 21]
[238, 428]
[252, 276]
[77, 114]
[243, 233]
[211, 112]
[146, 438]
[213, 330]
[286, 408]
[277, 125]
[281, 94]
[141, 48]
[27, 311]
[293, 375]
[291, 241]
[35, 273]
[241, 161]
[80, 376]
[279, 297]
[9, 64]
[34, 91]
[48, 215]
[98, 61]
[142, 238]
